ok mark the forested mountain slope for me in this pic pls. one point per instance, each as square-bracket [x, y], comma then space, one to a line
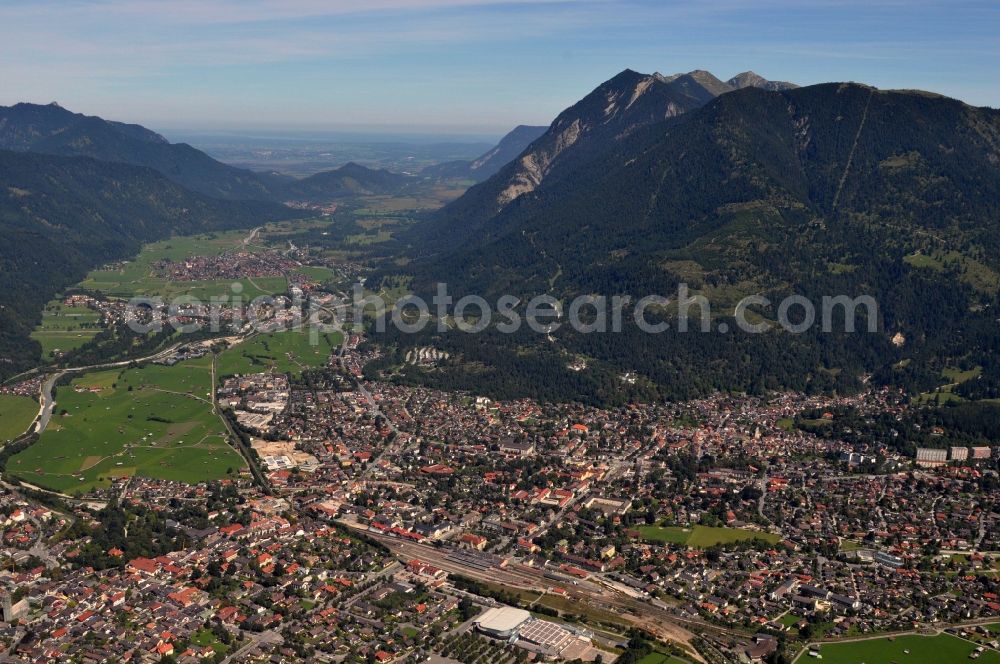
[60, 216]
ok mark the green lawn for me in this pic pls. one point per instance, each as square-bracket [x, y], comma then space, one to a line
[704, 536]
[922, 650]
[665, 534]
[162, 427]
[850, 545]
[16, 415]
[789, 619]
[701, 537]
[205, 638]
[285, 352]
[657, 657]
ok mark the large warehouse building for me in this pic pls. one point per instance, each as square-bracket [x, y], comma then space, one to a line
[502, 622]
[547, 639]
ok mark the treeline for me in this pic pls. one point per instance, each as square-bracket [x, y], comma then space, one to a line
[967, 424]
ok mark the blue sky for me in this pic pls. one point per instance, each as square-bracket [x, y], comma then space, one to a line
[459, 66]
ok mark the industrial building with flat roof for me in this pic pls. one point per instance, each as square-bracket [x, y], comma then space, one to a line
[550, 638]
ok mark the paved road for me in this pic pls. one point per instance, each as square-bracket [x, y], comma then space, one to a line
[40, 549]
[763, 494]
[982, 531]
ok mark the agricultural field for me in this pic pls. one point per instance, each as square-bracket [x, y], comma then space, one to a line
[16, 415]
[290, 351]
[154, 421]
[702, 537]
[430, 200]
[362, 239]
[274, 233]
[65, 328]
[910, 649]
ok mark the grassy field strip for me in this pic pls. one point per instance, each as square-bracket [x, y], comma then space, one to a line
[702, 537]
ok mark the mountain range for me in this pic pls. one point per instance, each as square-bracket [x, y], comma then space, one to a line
[651, 181]
[77, 191]
[737, 187]
[607, 115]
[484, 166]
[51, 129]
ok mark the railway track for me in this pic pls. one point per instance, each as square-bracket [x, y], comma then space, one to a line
[660, 622]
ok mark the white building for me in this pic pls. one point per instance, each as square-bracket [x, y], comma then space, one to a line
[502, 622]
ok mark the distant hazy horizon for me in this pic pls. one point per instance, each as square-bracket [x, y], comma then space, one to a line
[458, 67]
[367, 134]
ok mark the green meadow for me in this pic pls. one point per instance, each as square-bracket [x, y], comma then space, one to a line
[16, 415]
[316, 272]
[205, 638]
[290, 351]
[657, 657]
[946, 393]
[702, 537]
[65, 328]
[154, 421]
[910, 649]
[977, 275]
